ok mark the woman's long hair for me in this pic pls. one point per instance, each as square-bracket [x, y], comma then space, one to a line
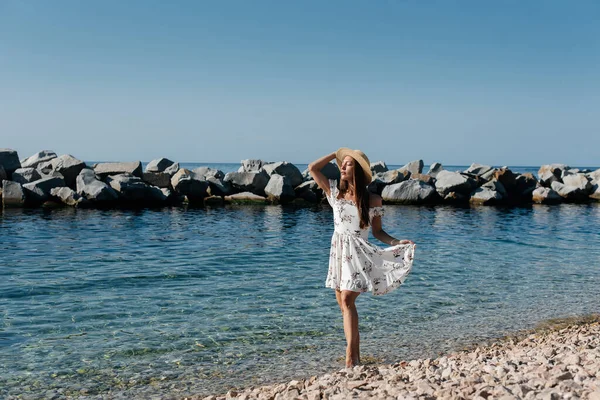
[362, 194]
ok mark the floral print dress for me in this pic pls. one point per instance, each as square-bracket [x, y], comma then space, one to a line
[354, 263]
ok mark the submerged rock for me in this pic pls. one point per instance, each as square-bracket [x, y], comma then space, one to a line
[245, 198]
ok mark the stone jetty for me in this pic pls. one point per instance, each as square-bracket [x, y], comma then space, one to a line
[47, 179]
[561, 363]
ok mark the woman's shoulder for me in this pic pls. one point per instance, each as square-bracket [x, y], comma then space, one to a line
[375, 200]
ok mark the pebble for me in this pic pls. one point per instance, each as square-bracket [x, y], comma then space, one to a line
[562, 364]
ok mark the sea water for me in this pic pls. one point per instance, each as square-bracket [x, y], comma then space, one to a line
[198, 300]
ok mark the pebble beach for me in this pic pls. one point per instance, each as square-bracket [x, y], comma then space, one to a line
[558, 361]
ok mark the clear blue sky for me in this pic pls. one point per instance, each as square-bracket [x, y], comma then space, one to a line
[495, 82]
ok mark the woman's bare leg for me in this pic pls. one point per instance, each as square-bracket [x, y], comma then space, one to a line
[346, 300]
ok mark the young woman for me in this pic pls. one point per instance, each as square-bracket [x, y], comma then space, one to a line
[355, 265]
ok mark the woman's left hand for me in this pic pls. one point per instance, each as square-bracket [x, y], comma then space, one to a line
[395, 242]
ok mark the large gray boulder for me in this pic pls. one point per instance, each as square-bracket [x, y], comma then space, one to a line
[571, 193]
[115, 168]
[595, 181]
[409, 192]
[508, 179]
[218, 187]
[478, 169]
[378, 167]
[448, 182]
[428, 179]
[207, 172]
[496, 186]
[39, 190]
[525, 185]
[13, 194]
[414, 167]
[544, 195]
[279, 189]
[68, 166]
[254, 182]
[551, 173]
[251, 165]
[45, 167]
[26, 175]
[172, 170]
[158, 179]
[489, 175]
[484, 196]
[9, 160]
[434, 169]
[188, 184]
[595, 192]
[93, 189]
[159, 165]
[383, 179]
[309, 191]
[39, 157]
[286, 169]
[595, 175]
[490, 193]
[578, 180]
[68, 196]
[330, 170]
[130, 188]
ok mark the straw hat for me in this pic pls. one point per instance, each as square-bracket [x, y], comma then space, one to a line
[360, 158]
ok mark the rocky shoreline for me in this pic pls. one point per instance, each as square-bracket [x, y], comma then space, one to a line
[46, 179]
[560, 362]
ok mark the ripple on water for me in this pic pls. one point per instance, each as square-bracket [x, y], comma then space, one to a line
[139, 300]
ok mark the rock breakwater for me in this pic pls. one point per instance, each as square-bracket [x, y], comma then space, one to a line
[48, 179]
[557, 364]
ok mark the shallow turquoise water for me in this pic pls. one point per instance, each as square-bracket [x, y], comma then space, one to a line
[199, 300]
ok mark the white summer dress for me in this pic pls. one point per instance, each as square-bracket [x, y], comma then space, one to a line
[354, 263]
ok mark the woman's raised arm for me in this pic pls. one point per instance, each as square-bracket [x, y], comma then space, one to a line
[315, 167]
